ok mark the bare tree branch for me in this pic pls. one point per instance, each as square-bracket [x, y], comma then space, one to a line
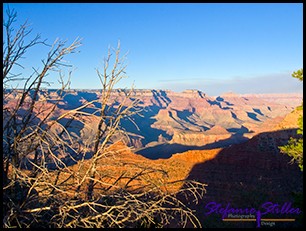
[49, 181]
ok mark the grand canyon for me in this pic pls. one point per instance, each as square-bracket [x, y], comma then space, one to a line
[189, 118]
[195, 120]
[228, 142]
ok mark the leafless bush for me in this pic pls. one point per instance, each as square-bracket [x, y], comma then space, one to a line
[41, 188]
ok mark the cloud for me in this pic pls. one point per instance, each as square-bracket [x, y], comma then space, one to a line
[271, 83]
[179, 80]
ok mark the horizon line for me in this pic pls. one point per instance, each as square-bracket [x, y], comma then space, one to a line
[166, 90]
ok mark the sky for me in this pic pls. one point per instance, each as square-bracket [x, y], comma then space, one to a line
[215, 48]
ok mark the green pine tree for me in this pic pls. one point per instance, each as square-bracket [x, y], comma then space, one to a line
[294, 148]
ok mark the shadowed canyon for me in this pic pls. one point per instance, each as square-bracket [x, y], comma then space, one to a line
[171, 122]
